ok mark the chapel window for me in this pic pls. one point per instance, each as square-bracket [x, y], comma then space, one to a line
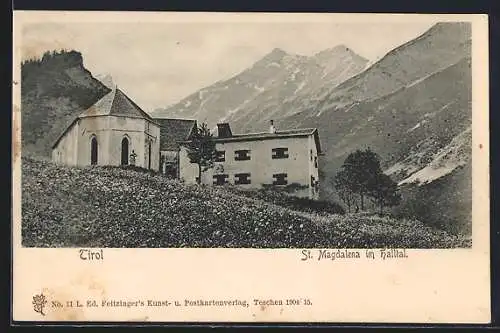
[93, 151]
[125, 144]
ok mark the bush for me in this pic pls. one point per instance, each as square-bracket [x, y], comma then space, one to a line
[281, 198]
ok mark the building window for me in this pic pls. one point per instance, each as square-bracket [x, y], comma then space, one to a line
[220, 179]
[280, 179]
[315, 161]
[242, 155]
[241, 178]
[220, 156]
[311, 154]
[312, 181]
[280, 153]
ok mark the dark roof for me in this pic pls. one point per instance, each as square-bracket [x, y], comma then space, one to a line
[172, 131]
[114, 103]
[301, 132]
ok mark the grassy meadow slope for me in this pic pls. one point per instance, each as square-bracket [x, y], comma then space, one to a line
[115, 207]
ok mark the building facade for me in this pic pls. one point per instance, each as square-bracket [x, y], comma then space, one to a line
[114, 131]
[173, 131]
[256, 160]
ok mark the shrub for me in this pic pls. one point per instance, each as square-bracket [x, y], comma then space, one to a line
[282, 198]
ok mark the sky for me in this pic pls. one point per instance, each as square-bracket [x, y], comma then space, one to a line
[159, 63]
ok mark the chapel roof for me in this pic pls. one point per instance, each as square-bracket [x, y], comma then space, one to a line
[114, 103]
[173, 131]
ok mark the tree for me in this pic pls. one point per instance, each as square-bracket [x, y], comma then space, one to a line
[385, 192]
[344, 188]
[358, 174]
[201, 149]
[361, 177]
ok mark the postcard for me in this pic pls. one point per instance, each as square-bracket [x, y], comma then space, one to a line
[250, 167]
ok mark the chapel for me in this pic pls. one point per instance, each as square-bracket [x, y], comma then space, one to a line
[113, 131]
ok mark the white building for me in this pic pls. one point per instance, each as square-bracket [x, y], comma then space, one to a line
[113, 131]
[173, 131]
[255, 160]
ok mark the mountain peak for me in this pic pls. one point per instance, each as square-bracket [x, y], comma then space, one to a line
[275, 55]
[341, 48]
[279, 52]
[334, 51]
[338, 53]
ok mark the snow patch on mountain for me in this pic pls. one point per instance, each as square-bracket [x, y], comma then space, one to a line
[420, 123]
[201, 94]
[300, 87]
[273, 64]
[447, 159]
[294, 74]
[259, 89]
[401, 167]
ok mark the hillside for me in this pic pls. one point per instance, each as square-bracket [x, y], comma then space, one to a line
[254, 96]
[445, 203]
[114, 207]
[413, 107]
[54, 89]
[406, 127]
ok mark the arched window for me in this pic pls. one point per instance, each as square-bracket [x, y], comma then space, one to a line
[93, 151]
[125, 151]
